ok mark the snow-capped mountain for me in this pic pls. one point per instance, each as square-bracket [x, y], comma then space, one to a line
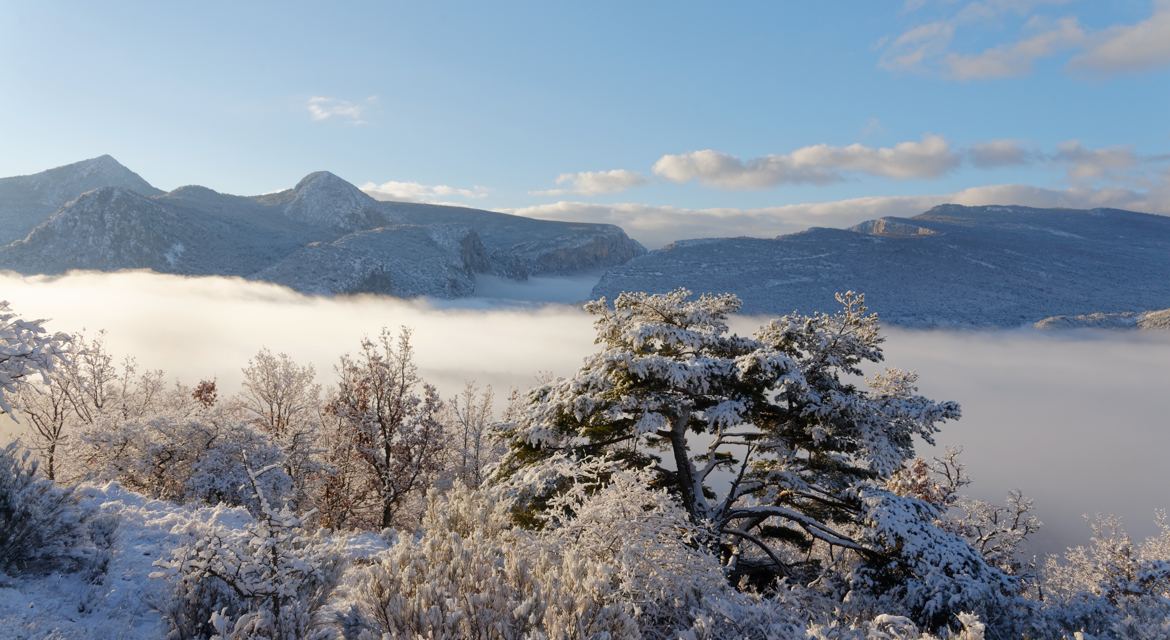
[25, 201]
[951, 266]
[322, 236]
[325, 200]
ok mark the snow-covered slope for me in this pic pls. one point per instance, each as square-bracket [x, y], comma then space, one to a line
[322, 236]
[399, 260]
[1159, 320]
[324, 200]
[123, 602]
[25, 201]
[953, 265]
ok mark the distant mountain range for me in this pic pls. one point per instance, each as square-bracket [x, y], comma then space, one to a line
[322, 236]
[951, 266]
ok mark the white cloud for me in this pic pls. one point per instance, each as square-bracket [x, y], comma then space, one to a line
[816, 164]
[1144, 45]
[591, 183]
[394, 190]
[657, 225]
[323, 108]
[1016, 59]
[999, 153]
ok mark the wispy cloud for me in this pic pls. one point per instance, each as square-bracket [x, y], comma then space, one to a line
[928, 47]
[323, 108]
[1000, 153]
[394, 190]
[1086, 163]
[1017, 58]
[1135, 47]
[592, 183]
[816, 164]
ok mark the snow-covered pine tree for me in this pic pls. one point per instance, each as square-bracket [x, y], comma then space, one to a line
[775, 442]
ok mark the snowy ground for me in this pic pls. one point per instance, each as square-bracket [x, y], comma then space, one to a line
[120, 605]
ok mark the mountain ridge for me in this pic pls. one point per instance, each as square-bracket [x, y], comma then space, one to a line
[953, 265]
[194, 230]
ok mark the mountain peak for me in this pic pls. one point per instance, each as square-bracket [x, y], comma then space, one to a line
[321, 198]
[59, 185]
[104, 164]
[322, 179]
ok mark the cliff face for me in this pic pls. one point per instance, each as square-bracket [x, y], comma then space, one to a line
[402, 260]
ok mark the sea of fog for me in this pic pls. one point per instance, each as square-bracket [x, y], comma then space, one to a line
[1078, 421]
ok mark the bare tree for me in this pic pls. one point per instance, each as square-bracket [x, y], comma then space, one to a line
[469, 416]
[49, 412]
[278, 394]
[83, 390]
[390, 417]
[283, 399]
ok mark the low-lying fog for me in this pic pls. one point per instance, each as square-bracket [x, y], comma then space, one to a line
[1078, 421]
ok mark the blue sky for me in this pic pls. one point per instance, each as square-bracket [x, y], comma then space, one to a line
[672, 119]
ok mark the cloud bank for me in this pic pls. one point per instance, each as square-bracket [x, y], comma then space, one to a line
[816, 164]
[1077, 421]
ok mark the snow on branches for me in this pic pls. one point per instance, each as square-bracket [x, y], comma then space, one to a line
[775, 442]
[26, 349]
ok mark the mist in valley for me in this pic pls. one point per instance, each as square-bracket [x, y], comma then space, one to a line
[1076, 420]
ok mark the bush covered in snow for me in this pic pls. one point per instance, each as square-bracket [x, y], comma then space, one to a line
[201, 457]
[271, 580]
[42, 528]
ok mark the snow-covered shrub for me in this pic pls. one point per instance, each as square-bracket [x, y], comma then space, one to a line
[618, 518]
[470, 574]
[888, 627]
[920, 569]
[199, 457]
[619, 558]
[1113, 587]
[996, 531]
[42, 528]
[271, 580]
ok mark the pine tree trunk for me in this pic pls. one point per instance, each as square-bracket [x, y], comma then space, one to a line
[682, 462]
